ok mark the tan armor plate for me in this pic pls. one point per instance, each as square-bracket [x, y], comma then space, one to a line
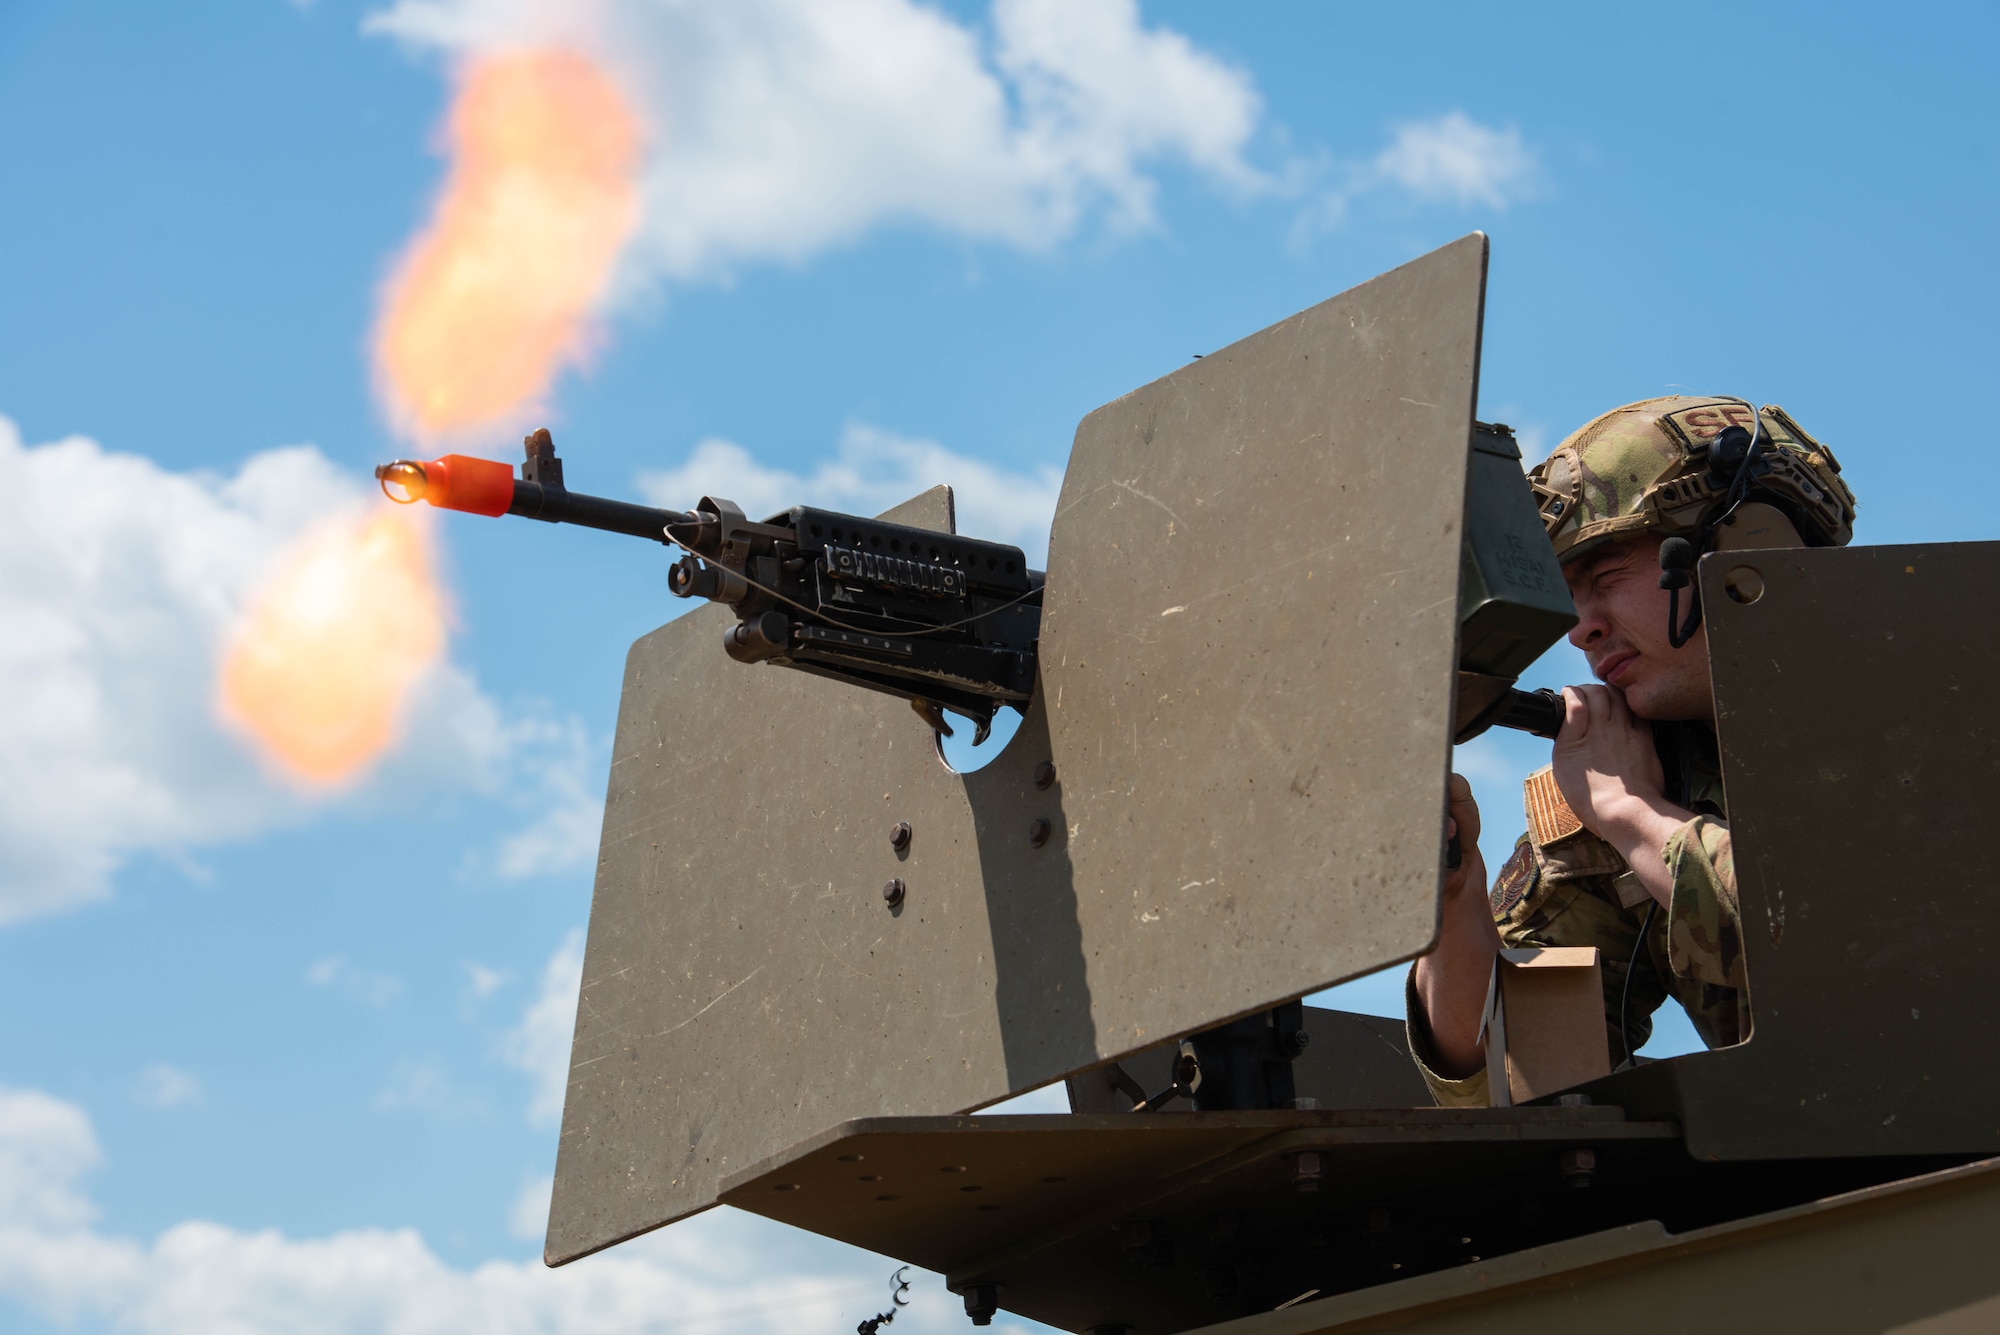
[1247, 665]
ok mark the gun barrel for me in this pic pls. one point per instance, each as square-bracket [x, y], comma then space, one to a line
[1538, 712]
[534, 500]
[485, 487]
[1486, 701]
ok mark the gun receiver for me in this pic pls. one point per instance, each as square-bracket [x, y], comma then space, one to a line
[942, 621]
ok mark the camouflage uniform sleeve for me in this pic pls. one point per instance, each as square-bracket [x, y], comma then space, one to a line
[1704, 924]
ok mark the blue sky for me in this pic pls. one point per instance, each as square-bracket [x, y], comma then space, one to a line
[275, 1032]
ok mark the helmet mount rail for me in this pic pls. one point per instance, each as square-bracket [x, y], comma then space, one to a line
[1733, 453]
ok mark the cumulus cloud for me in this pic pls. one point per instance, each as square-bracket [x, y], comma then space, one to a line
[123, 579]
[539, 1044]
[528, 1217]
[1454, 159]
[482, 982]
[872, 470]
[423, 1087]
[780, 128]
[1449, 160]
[723, 1273]
[164, 1086]
[565, 799]
[367, 986]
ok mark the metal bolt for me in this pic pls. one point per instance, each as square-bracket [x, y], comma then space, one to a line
[981, 1302]
[1306, 1171]
[1045, 774]
[892, 893]
[1572, 1100]
[1038, 832]
[1578, 1166]
[899, 837]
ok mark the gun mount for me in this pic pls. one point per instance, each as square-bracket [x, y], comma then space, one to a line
[1271, 604]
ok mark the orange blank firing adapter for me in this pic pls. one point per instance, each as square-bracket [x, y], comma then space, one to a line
[455, 482]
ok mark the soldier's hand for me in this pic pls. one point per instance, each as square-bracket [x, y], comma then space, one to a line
[1462, 820]
[1604, 761]
[1610, 775]
[1451, 980]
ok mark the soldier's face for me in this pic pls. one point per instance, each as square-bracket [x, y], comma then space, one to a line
[1622, 629]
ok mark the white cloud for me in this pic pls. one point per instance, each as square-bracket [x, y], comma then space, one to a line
[424, 1087]
[483, 982]
[539, 1044]
[563, 806]
[1447, 160]
[45, 1146]
[781, 128]
[528, 1217]
[123, 578]
[164, 1086]
[871, 471]
[1454, 159]
[364, 985]
[723, 1273]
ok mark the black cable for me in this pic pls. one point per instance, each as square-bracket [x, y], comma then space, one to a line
[1625, 995]
[1678, 555]
[920, 628]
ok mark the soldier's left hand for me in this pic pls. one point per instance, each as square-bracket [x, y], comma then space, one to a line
[1605, 762]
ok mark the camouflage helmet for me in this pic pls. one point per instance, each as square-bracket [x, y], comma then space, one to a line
[1646, 467]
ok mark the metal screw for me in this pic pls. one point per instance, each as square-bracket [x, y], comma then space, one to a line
[1306, 1171]
[981, 1302]
[1578, 1166]
[892, 893]
[1045, 774]
[1038, 832]
[899, 837]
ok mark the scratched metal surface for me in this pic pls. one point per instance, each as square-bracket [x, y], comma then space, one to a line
[1247, 654]
[1861, 750]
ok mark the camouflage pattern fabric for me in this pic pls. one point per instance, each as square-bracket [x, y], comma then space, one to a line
[1577, 891]
[1645, 468]
[1704, 923]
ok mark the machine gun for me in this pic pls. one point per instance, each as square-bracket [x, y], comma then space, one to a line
[952, 623]
[942, 621]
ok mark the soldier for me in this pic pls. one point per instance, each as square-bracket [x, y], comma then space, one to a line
[1627, 847]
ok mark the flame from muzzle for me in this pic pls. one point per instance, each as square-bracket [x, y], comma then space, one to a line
[319, 667]
[493, 298]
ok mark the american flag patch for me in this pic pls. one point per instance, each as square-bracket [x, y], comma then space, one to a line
[1549, 816]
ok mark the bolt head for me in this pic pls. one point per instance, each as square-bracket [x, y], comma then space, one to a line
[1045, 774]
[892, 893]
[899, 835]
[1038, 832]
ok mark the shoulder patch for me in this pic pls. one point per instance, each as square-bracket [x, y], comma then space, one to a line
[1514, 881]
[1549, 816]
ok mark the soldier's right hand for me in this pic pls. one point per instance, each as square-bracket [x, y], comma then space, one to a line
[1462, 819]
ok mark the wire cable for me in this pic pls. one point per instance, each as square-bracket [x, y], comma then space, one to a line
[1625, 993]
[921, 627]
